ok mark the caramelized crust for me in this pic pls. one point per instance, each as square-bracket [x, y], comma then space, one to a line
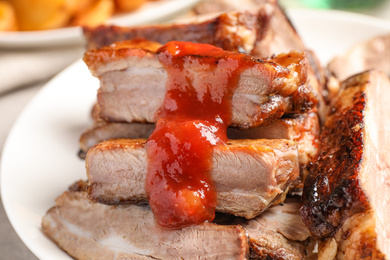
[332, 192]
[347, 193]
[233, 31]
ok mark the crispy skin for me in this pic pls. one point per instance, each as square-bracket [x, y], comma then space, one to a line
[351, 173]
[249, 175]
[89, 230]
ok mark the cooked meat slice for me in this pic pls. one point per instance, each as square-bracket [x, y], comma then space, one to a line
[103, 131]
[351, 173]
[278, 233]
[355, 239]
[89, 230]
[367, 55]
[249, 175]
[133, 84]
[233, 31]
[304, 129]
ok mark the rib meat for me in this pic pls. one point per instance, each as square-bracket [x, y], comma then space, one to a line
[346, 196]
[103, 131]
[89, 230]
[367, 55]
[233, 31]
[249, 175]
[278, 233]
[262, 30]
[133, 85]
[304, 129]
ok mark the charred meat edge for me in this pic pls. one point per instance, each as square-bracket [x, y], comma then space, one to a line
[350, 175]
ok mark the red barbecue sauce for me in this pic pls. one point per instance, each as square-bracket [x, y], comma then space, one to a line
[193, 119]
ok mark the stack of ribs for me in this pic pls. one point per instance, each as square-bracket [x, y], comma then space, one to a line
[273, 136]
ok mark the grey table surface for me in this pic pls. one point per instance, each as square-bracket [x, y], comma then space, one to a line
[11, 247]
[11, 105]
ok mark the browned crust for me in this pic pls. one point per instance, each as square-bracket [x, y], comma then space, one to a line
[332, 192]
[210, 31]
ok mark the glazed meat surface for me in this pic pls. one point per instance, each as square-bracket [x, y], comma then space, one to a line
[349, 178]
[133, 84]
[249, 175]
[89, 230]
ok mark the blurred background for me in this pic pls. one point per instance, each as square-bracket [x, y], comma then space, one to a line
[27, 63]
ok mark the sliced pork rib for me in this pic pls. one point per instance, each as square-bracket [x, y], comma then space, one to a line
[278, 233]
[371, 54]
[89, 230]
[304, 129]
[233, 31]
[249, 175]
[103, 131]
[349, 180]
[133, 84]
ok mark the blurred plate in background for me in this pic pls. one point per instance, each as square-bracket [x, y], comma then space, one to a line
[150, 12]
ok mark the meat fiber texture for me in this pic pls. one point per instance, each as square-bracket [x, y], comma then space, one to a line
[304, 129]
[133, 85]
[88, 230]
[346, 196]
[249, 175]
[80, 227]
[259, 28]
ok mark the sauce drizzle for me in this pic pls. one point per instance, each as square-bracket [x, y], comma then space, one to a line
[192, 120]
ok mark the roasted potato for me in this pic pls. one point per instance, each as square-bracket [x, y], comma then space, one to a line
[7, 17]
[40, 14]
[97, 14]
[49, 14]
[128, 5]
[79, 6]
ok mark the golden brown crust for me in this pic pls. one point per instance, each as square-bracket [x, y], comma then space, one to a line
[213, 31]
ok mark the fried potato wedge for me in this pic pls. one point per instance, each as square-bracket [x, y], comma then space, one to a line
[128, 5]
[101, 11]
[41, 14]
[8, 20]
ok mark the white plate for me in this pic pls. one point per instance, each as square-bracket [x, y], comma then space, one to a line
[150, 12]
[39, 159]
